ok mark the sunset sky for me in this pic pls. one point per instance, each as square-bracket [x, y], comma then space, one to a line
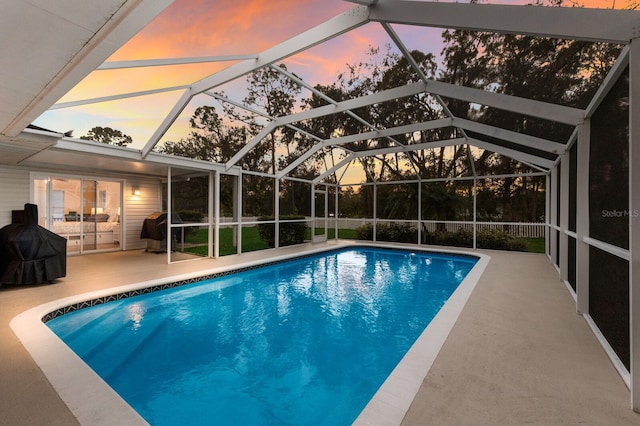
[194, 28]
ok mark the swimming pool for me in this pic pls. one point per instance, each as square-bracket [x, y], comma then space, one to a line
[251, 338]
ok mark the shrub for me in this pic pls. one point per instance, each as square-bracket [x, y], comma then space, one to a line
[395, 232]
[459, 238]
[365, 232]
[290, 232]
[496, 239]
[500, 240]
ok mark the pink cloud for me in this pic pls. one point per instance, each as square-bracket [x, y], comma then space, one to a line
[224, 27]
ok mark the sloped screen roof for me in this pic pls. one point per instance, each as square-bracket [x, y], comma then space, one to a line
[514, 80]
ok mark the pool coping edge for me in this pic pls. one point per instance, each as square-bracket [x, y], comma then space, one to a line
[92, 401]
[391, 402]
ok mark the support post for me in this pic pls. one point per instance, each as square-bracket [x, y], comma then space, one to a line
[211, 205]
[276, 212]
[582, 217]
[216, 216]
[634, 220]
[168, 237]
[375, 211]
[475, 224]
[547, 215]
[335, 211]
[419, 212]
[553, 219]
[313, 212]
[237, 211]
[563, 258]
[326, 212]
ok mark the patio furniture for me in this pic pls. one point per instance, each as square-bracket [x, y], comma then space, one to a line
[29, 253]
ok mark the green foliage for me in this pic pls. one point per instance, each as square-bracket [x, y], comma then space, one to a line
[393, 232]
[460, 238]
[365, 232]
[188, 195]
[500, 240]
[494, 239]
[290, 232]
[108, 136]
[403, 233]
[209, 140]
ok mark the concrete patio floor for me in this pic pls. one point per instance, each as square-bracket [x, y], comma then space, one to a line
[518, 353]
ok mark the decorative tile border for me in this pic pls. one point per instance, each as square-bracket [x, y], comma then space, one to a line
[118, 296]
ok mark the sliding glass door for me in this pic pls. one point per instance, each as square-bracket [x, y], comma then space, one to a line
[84, 211]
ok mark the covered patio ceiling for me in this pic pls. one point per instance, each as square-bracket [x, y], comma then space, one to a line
[118, 20]
[49, 47]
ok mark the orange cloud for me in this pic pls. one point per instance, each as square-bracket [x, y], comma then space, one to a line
[224, 27]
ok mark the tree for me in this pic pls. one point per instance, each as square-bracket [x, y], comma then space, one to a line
[107, 135]
[275, 94]
[566, 72]
[209, 139]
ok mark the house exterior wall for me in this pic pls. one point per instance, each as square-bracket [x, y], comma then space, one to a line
[15, 192]
[137, 208]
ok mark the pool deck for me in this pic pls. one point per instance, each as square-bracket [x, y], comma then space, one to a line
[518, 353]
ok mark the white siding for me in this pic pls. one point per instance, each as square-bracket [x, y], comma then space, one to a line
[14, 192]
[137, 208]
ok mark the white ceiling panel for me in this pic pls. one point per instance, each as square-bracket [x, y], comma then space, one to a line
[51, 45]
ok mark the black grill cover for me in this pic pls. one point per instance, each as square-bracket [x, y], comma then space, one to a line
[31, 254]
[154, 226]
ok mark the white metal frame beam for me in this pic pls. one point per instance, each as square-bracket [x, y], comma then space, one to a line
[98, 43]
[516, 155]
[372, 135]
[634, 222]
[411, 148]
[116, 65]
[563, 187]
[345, 161]
[399, 92]
[511, 136]
[533, 108]
[317, 92]
[612, 77]
[582, 218]
[344, 106]
[617, 26]
[319, 34]
[117, 97]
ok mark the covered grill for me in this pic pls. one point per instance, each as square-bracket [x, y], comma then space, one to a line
[154, 230]
[29, 253]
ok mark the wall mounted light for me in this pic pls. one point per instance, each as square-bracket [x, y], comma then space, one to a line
[135, 190]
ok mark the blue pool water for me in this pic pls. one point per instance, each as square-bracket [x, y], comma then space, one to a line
[306, 341]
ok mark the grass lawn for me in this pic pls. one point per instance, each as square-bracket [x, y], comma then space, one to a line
[251, 240]
[535, 245]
